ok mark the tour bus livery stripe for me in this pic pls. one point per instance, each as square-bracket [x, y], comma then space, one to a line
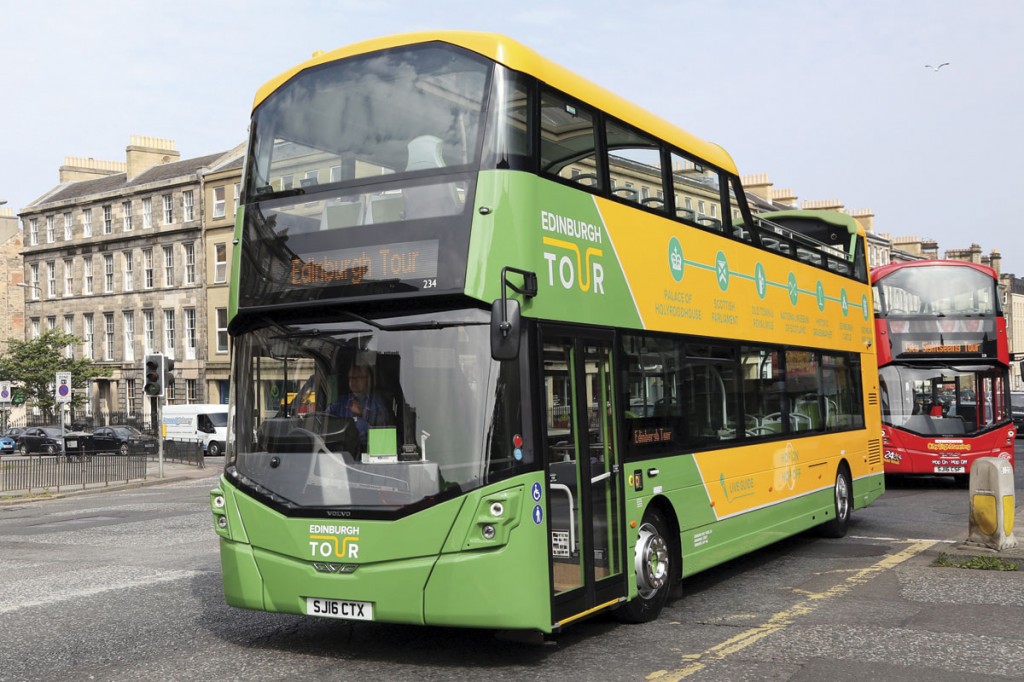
[762, 505]
[618, 261]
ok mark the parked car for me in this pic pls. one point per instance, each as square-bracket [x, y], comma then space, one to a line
[1017, 410]
[40, 439]
[14, 432]
[7, 445]
[123, 440]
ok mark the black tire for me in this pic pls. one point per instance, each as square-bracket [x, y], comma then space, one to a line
[213, 449]
[23, 450]
[51, 449]
[124, 449]
[654, 560]
[842, 501]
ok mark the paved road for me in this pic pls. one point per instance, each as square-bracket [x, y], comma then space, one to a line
[125, 585]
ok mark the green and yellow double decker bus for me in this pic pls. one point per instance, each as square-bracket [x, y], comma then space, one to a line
[581, 369]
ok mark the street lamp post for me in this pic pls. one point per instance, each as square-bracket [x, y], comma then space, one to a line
[26, 285]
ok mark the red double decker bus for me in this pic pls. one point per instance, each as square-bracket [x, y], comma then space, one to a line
[943, 361]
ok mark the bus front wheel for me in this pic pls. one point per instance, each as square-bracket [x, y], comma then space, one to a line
[843, 505]
[654, 554]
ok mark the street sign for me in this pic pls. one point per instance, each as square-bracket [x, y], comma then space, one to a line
[5, 392]
[63, 387]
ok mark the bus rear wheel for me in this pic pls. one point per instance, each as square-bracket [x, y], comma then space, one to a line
[842, 499]
[213, 449]
[654, 556]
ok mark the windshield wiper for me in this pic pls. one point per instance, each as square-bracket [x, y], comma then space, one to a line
[406, 326]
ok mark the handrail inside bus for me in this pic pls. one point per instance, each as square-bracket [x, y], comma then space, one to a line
[803, 239]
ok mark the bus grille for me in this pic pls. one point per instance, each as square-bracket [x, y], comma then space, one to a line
[875, 451]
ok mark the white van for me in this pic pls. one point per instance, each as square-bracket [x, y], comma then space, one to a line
[206, 423]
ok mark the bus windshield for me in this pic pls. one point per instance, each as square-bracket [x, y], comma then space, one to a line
[402, 110]
[360, 172]
[943, 399]
[936, 291]
[373, 415]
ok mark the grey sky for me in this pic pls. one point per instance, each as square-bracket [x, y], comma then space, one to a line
[831, 98]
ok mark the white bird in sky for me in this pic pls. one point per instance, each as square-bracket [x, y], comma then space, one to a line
[936, 68]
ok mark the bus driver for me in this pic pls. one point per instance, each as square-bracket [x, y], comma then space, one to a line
[362, 404]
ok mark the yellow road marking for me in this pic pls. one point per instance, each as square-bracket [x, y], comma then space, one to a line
[696, 662]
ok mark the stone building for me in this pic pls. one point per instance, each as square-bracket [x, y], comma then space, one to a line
[12, 310]
[1013, 308]
[116, 254]
[221, 190]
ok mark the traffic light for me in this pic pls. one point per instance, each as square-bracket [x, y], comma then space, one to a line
[153, 374]
[168, 371]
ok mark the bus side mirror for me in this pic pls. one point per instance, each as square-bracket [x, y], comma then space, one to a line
[505, 328]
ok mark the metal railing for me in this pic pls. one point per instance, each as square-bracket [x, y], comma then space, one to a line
[82, 468]
[185, 451]
[54, 473]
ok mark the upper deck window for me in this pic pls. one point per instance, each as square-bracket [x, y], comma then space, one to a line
[568, 141]
[369, 116]
[937, 291]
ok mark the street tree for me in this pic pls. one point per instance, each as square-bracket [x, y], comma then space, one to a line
[32, 367]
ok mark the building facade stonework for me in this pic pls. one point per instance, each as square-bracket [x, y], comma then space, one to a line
[117, 255]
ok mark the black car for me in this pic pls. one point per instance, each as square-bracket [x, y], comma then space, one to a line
[1017, 410]
[123, 440]
[40, 439]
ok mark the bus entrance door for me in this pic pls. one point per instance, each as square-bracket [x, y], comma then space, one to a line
[584, 487]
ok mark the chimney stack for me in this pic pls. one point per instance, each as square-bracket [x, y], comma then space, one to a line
[145, 152]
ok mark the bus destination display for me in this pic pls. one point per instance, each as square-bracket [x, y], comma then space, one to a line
[403, 261]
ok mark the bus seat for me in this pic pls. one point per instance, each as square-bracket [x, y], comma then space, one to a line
[341, 214]
[627, 193]
[426, 201]
[425, 153]
[772, 423]
[386, 209]
[807, 406]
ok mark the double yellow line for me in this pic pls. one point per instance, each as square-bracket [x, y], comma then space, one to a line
[694, 663]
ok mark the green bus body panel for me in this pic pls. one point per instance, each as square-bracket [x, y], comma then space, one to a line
[395, 588]
[512, 200]
[497, 588]
[243, 583]
[433, 567]
[418, 535]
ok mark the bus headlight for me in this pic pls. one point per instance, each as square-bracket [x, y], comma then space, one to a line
[495, 516]
[219, 507]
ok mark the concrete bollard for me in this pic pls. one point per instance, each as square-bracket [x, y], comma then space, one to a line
[992, 501]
